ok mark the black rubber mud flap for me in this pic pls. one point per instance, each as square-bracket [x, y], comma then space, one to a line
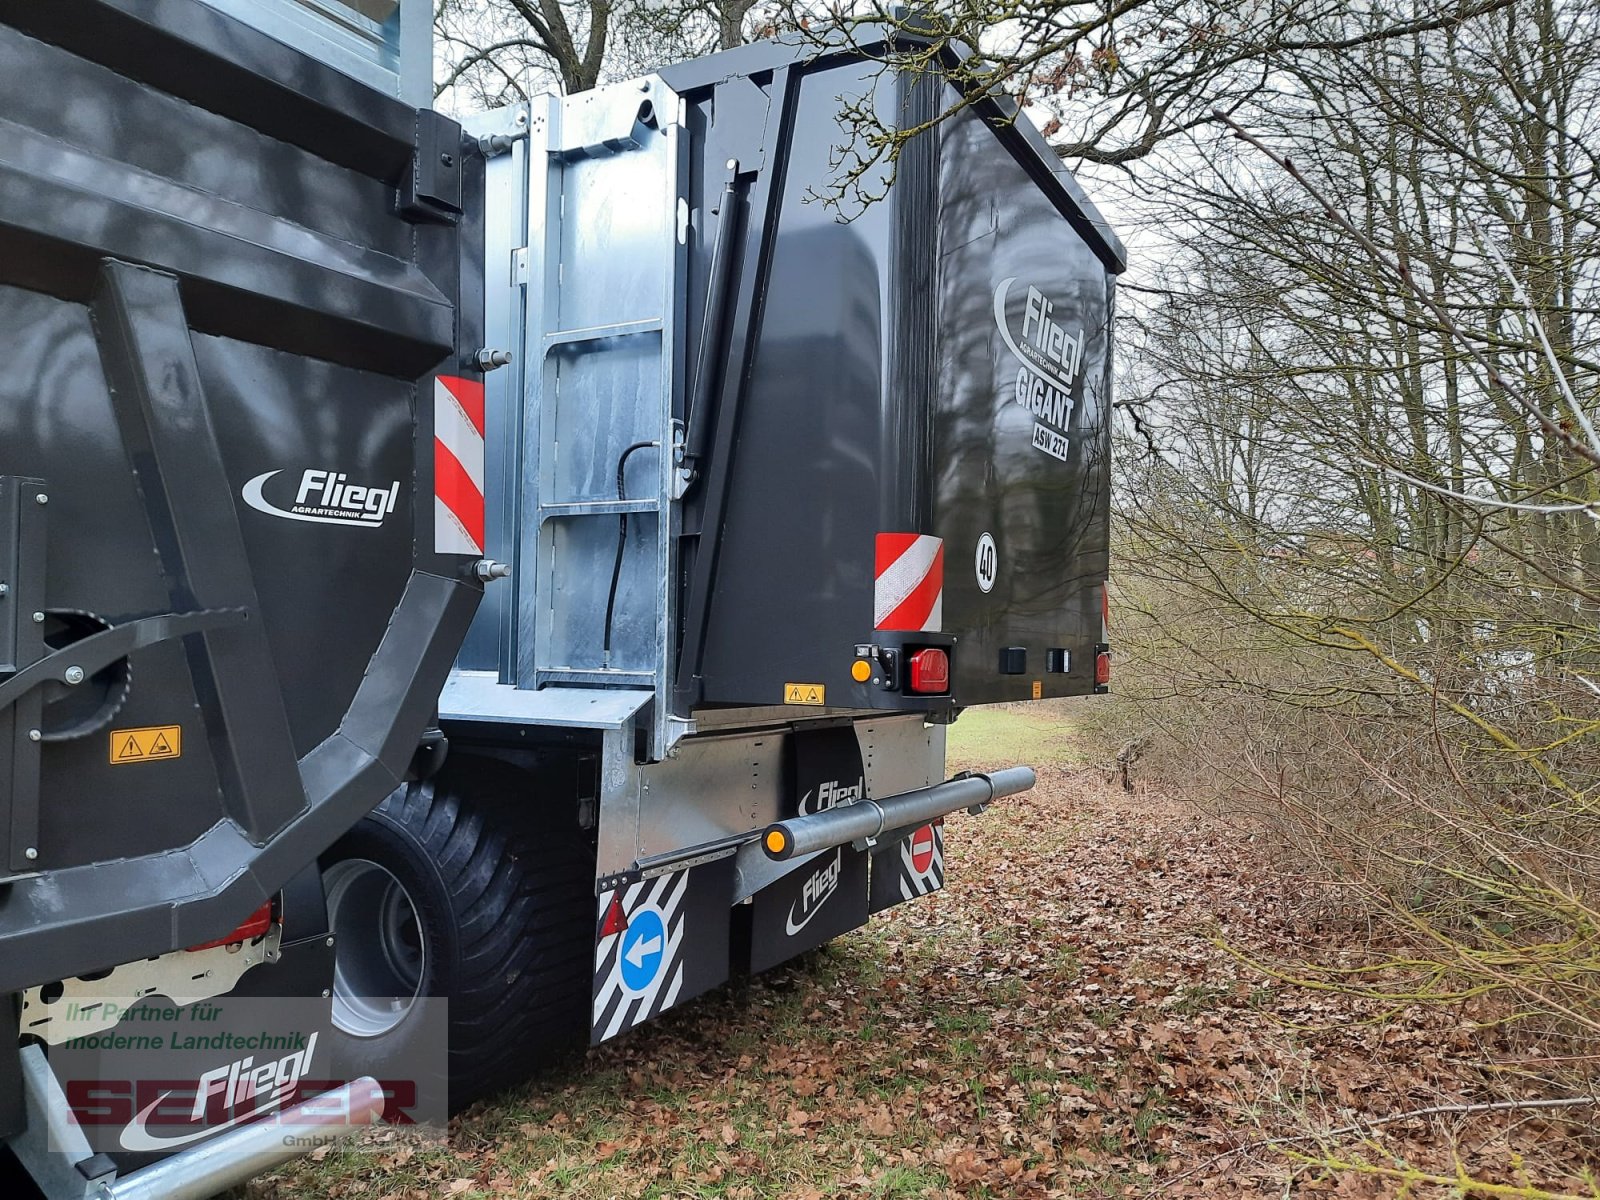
[659, 942]
[808, 908]
[827, 896]
[908, 867]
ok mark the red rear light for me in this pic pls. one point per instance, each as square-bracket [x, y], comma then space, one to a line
[253, 926]
[930, 671]
[1102, 669]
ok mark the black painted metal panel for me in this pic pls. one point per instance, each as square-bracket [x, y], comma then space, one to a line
[1021, 442]
[213, 306]
[193, 53]
[22, 549]
[934, 365]
[172, 446]
[13, 1108]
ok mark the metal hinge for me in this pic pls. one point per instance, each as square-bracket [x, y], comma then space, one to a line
[519, 267]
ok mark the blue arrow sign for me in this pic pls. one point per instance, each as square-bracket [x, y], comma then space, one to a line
[643, 950]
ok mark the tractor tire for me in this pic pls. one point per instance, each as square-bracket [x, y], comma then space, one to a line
[450, 889]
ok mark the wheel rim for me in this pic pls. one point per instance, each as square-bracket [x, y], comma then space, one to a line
[379, 951]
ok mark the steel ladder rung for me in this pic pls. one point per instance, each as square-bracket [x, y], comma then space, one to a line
[600, 333]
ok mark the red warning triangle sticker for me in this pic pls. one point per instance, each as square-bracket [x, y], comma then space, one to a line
[615, 919]
[130, 749]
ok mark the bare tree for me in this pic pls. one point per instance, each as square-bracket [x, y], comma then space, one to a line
[1112, 82]
[500, 50]
[1359, 585]
[496, 52]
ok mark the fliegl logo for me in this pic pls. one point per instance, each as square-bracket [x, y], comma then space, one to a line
[230, 1095]
[326, 497]
[817, 891]
[1050, 358]
[832, 794]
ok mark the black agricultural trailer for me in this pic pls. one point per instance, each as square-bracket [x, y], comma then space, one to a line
[465, 590]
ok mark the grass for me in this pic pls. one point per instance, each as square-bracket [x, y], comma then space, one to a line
[899, 1182]
[1003, 735]
[1150, 1115]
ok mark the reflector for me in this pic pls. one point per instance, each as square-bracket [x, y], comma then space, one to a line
[616, 920]
[253, 926]
[930, 670]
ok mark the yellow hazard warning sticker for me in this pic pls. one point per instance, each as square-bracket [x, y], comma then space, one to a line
[805, 693]
[146, 745]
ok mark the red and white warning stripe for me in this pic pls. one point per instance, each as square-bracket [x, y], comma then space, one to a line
[908, 583]
[458, 424]
[922, 862]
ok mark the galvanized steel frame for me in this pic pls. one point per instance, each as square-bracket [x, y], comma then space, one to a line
[719, 787]
[550, 250]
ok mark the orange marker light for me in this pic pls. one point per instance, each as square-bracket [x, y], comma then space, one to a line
[775, 841]
[861, 670]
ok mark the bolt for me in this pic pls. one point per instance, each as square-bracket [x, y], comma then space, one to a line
[326, 993]
[34, 735]
[30, 854]
[492, 360]
[447, 160]
[73, 675]
[42, 498]
[487, 569]
[492, 144]
[4, 588]
[38, 618]
[330, 942]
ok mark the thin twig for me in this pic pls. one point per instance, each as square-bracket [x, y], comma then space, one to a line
[1521, 297]
[1435, 1110]
[1447, 1110]
[1483, 501]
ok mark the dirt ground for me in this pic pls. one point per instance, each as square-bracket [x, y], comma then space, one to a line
[1070, 1018]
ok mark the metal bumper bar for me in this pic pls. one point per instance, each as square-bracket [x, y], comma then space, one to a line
[867, 819]
[231, 1158]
